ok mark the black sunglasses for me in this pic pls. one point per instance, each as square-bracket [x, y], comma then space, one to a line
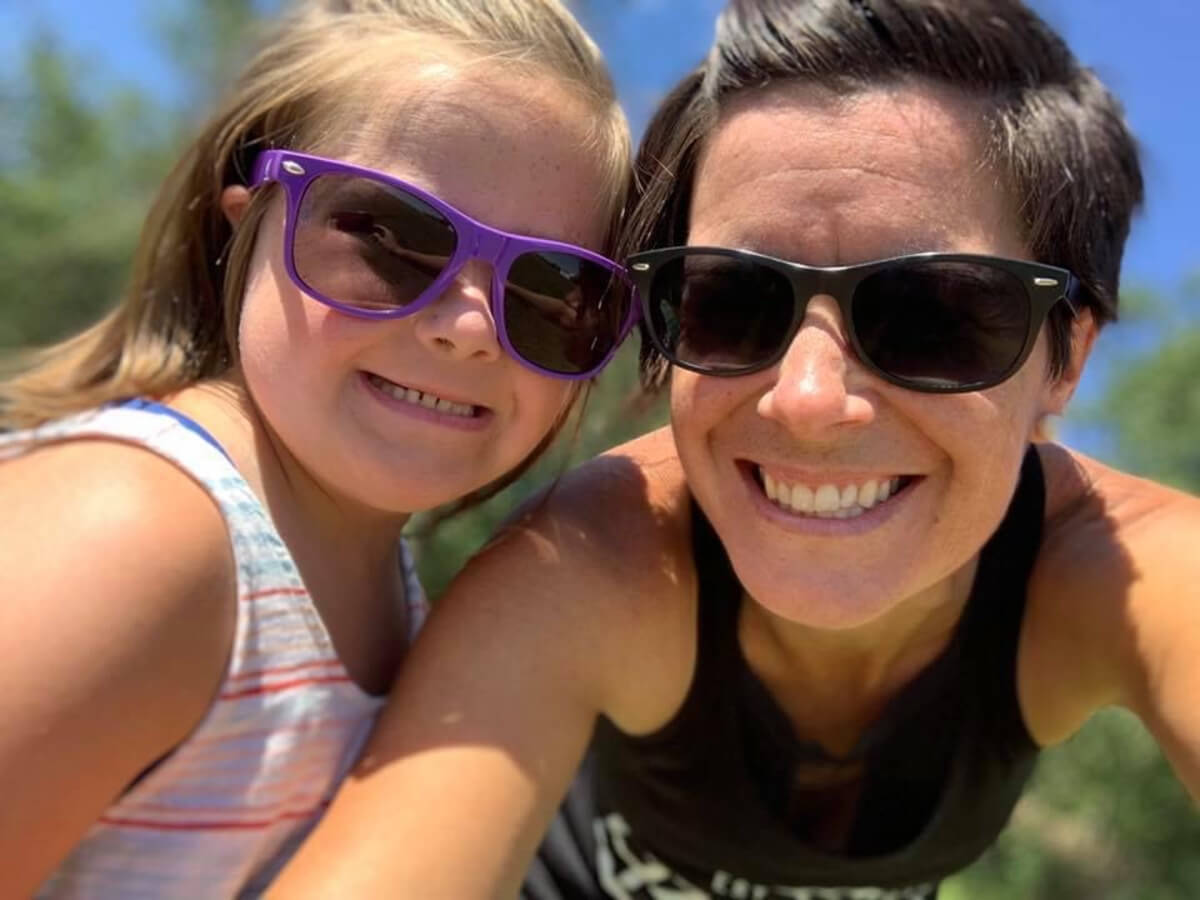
[932, 322]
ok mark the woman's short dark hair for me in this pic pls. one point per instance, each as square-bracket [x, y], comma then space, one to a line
[1054, 134]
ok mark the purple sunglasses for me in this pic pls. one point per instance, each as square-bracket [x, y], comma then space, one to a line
[376, 247]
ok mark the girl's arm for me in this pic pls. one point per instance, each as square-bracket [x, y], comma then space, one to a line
[548, 627]
[117, 582]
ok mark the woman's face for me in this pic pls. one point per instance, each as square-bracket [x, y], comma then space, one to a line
[795, 172]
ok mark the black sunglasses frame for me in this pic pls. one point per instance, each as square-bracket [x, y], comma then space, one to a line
[1045, 285]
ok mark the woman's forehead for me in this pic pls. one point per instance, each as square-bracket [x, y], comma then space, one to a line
[846, 177]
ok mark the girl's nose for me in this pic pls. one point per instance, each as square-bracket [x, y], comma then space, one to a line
[459, 323]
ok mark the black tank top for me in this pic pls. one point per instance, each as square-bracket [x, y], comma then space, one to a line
[713, 795]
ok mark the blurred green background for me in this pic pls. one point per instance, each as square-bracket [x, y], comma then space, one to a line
[84, 149]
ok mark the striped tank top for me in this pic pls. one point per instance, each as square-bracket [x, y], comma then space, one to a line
[222, 812]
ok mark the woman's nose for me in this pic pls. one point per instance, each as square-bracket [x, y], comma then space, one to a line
[817, 382]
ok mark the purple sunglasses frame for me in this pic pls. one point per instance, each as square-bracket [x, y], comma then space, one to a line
[474, 240]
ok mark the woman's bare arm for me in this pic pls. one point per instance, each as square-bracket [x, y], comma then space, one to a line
[542, 632]
[1114, 615]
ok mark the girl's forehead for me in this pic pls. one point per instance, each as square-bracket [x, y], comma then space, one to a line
[446, 105]
[511, 152]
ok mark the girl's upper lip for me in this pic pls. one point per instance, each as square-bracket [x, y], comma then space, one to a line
[440, 393]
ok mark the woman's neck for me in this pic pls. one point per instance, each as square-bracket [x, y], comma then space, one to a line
[832, 683]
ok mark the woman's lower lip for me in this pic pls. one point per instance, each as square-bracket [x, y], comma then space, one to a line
[869, 520]
[477, 422]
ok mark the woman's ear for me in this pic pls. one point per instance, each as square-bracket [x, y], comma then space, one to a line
[1083, 337]
[234, 201]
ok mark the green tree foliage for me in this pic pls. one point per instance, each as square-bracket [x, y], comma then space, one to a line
[1154, 399]
[74, 187]
[78, 171]
[207, 39]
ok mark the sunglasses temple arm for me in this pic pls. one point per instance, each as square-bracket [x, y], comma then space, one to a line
[1071, 294]
[266, 168]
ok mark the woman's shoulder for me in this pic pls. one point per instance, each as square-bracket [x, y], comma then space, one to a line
[1115, 577]
[626, 511]
[1110, 518]
[602, 562]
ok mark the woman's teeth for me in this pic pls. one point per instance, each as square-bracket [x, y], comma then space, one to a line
[829, 501]
[420, 398]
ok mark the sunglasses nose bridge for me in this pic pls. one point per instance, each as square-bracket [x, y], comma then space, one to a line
[489, 245]
[806, 284]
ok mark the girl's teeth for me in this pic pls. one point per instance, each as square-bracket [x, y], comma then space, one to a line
[418, 398]
[828, 500]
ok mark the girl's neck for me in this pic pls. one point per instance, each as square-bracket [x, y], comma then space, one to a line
[286, 488]
[347, 554]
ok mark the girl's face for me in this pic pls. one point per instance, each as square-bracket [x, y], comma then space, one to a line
[405, 414]
[798, 174]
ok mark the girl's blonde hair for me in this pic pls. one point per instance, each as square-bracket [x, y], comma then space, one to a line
[307, 86]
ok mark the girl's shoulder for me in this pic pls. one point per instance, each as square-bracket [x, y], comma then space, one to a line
[119, 589]
[113, 526]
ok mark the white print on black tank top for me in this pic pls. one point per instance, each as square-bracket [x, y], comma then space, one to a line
[628, 874]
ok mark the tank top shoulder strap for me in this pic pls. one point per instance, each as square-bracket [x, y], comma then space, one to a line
[718, 603]
[992, 630]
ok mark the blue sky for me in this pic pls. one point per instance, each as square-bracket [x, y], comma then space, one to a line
[1145, 51]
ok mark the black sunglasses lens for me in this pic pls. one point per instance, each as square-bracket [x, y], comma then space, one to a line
[564, 313]
[368, 246]
[941, 324]
[720, 313]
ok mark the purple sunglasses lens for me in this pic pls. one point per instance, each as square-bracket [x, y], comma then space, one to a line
[365, 245]
[564, 313]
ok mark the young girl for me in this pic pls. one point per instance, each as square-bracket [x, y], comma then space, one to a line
[369, 288]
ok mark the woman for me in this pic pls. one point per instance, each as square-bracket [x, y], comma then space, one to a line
[812, 638]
